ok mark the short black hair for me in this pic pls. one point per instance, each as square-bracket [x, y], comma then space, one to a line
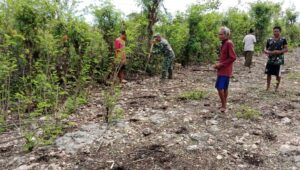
[277, 27]
[251, 30]
[123, 32]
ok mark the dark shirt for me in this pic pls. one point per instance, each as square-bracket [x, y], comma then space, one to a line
[164, 47]
[273, 44]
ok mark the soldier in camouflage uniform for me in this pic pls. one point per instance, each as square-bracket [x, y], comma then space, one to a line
[162, 46]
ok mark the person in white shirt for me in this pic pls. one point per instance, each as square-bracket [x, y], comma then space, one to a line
[249, 41]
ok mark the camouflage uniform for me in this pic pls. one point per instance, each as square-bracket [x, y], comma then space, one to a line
[163, 47]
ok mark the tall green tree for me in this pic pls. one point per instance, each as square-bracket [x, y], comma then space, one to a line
[196, 16]
[262, 14]
[152, 9]
[239, 23]
[109, 22]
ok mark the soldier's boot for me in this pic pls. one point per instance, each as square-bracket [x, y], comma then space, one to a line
[163, 75]
[170, 75]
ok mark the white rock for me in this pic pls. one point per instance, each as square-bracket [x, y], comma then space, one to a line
[297, 158]
[219, 157]
[211, 122]
[254, 146]
[289, 149]
[285, 120]
[53, 167]
[192, 148]
[204, 111]
[199, 136]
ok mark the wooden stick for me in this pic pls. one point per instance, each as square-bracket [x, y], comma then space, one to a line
[148, 58]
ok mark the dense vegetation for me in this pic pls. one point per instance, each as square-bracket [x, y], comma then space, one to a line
[50, 56]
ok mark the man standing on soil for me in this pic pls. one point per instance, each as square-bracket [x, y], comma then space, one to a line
[224, 66]
[120, 57]
[162, 46]
[275, 49]
[249, 41]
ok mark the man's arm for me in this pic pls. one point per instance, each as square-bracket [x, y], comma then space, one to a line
[156, 49]
[284, 50]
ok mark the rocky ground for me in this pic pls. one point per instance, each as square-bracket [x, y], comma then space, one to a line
[159, 130]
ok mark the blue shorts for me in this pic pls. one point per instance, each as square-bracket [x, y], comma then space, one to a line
[222, 82]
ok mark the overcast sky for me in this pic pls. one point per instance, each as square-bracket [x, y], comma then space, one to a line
[129, 6]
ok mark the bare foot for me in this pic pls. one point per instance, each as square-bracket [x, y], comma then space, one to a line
[223, 110]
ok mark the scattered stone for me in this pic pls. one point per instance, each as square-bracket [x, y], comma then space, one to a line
[213, 129]
[147, 132]
[286, 120]
[211, 122]
[254, 146]
[257, 132]
[219, 157]
[234, 119]
[181, 130]
[122, 124]
[297, 158]
[192, 148]
[199, 136]
[53, 167]
[282, 114]
[237, 125]
[204, 111]
[240, 141]
[253, 159]
[206, 104]
[86, 135]
[187, 119]
[295, 141]
[210, 141]
[242, 166]
[289, 150]
[157, 119]
[27, 167]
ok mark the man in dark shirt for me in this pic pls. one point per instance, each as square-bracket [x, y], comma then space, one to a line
[275, 49]
[224, 67]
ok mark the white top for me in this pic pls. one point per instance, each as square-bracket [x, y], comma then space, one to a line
[249, 41]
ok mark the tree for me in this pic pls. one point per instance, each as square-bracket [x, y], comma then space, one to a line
[239, 23]
[109, 22]
[292, 28]
[262, 14]
[196, 15]
[151, 8]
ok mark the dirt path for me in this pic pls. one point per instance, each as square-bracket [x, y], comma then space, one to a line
[159, 131]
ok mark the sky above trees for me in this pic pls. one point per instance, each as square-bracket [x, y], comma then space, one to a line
[128, 6]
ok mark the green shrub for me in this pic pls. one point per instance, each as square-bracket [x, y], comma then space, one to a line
[246, 112]
[294, 75]
[2, 124]
[193, 95]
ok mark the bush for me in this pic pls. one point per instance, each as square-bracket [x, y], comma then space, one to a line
[246, 112]
[193, 95]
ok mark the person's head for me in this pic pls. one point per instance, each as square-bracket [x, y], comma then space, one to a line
[276, 31]
[224, 33]
[251, 31]
[123, 35]
[157, 37]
